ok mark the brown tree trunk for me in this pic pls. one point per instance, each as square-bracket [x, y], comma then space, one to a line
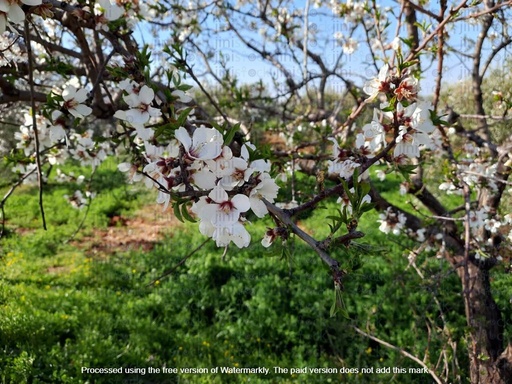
[490, 363]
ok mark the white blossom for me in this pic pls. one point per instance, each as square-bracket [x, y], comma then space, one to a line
[73, 99]
[376, 85]
[204, 144]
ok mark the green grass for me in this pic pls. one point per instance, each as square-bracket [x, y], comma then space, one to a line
[64, 307]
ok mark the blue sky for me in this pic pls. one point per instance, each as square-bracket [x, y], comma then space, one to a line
[249, 67]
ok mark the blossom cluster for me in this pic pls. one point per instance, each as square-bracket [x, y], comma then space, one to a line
[400, 120]
[400, 117]
[53, 134]
[391, 222]
[57, 140]
[222, 187]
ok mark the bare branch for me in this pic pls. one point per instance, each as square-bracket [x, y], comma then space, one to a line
[34, 120]
[402, 352]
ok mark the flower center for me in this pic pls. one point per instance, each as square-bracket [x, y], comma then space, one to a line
[226, 206]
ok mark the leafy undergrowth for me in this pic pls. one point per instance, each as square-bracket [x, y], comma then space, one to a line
[96, 299]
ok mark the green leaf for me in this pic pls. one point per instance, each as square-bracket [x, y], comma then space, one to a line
[183, 116]
[177, 213]
[437, 120]
[230, 134]
[338, 305]
[407, 170]
[186, 213]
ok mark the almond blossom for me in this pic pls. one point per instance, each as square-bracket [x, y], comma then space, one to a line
[391, 222]
[269, 238]
[266, 189]
[345, 169]
[236, 233]
[73, 99]
[408, 89]
[377, 85]
[140, 106]
[204, 144]
[415, 131]
[132, 170]
[373, 136]
[57, 131]
[220, 217]
[224, 211]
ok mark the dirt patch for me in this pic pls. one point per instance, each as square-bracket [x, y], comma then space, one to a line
[140, 232]
[58, 269]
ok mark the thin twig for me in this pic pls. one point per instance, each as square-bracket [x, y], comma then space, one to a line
[100, 72]
[465, 279]
[80, 226]
[34, 120]
[401, 351]
[441, 25]
[9, 193]
[286, 219]
[190, 71]
[170, 271]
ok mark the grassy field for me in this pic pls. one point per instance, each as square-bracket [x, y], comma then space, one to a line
[75, 301]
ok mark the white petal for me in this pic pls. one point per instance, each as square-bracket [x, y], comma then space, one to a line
[144, 133]
[132, 100]
[241, 202]
[114, 12]
[136, 116]
[32, 3]
[208, 151]
[182, 97]
[82, 109]
[206, 228]
[124, 167]
[4, 6]
[146, 95]
[57, 133]
[258, 207]
[207, 212]
[120, 115]
[218, 195]
[267, 241]
[240, 236]
[204, 179]
[261, 165]
[206, 135]
[3, 23]
[183, 137]
[68, 93]
[81, 95]
[16, 14]
[154, 112]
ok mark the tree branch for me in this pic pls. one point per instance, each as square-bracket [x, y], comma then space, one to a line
[402, 352]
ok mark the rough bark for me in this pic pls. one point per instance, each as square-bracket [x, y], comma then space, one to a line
[488, 363]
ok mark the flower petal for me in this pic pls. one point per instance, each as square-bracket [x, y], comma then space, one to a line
[81, 95]
[80, 110]
[124, 167]
[146, 95]
[218, 195]
[32, 3]
[69, 93]
[16, 14]
[136, 116]
[181, 134]
[241, 202]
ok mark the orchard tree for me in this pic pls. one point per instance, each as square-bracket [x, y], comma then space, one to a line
[342, 84]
